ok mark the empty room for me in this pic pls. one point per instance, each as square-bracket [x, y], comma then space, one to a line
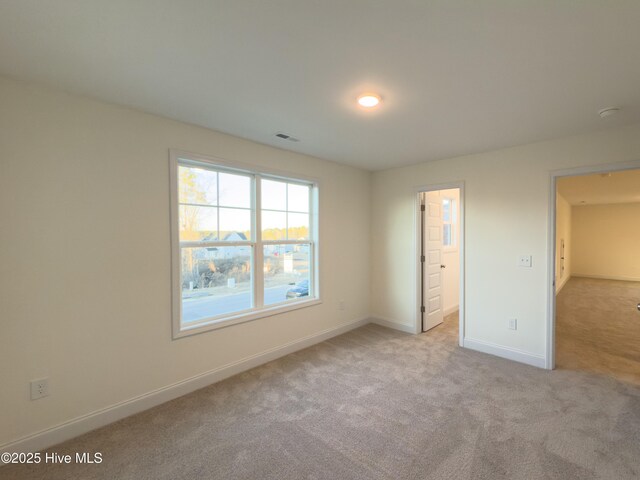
[598, 273]
[349, 239]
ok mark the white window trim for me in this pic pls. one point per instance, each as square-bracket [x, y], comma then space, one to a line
[256, 172]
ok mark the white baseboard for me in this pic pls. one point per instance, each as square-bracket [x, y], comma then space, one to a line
[83, 424]
[385, 322]
[450, 310]
[562, 283]
[505, 352]
[608, 277]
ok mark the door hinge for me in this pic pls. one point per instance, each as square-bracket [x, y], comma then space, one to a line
[422, 208]
[423, 258]
[422, 309]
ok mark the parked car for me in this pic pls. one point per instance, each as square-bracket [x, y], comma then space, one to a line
[300, 290]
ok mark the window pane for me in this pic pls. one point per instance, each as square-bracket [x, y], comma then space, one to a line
[235, 225]
[447, 239]
[198, 223]
[298, 198]
[298, 226]
[215, 281]
[197, 185]
[446, 210]
[274, 195]
[235, 190]
[274, 225]
[286, 273]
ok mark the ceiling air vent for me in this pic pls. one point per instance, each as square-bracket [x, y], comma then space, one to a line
[285, 136]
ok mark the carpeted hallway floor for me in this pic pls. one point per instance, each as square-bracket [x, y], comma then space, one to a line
[376, 404]
[598, 328]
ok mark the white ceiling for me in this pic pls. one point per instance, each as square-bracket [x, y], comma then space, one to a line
[456, 76]
[614, 187]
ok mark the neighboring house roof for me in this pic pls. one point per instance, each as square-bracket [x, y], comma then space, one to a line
[210, 238]
[229, 236]
[235, 236]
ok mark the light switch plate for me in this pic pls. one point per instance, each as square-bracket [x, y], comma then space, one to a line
[524, 261]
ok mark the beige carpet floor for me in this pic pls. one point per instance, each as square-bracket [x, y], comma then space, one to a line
[598, 328]
[376, 404]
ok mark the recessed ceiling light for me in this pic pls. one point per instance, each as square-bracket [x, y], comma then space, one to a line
[607, 112]
[368, 100]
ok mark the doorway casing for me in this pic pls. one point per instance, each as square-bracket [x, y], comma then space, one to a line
[418, 252]
[550, 360]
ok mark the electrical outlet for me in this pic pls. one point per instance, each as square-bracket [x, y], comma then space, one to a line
[513, 324]
[524, 261]
[341, 305]
[39, 388]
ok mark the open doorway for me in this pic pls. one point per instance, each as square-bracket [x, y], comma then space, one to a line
[597, 273]
[441, 259]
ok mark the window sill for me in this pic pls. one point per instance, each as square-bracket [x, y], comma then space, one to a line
[205, 326]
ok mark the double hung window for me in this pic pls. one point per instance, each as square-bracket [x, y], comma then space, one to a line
[244, 244]
[449, 214]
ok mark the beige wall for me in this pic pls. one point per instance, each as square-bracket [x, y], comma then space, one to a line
[563, 232]
[606, 241]
[85, 257]
[507, 196]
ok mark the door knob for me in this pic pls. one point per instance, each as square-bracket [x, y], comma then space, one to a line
[444, 266]
[639, 307]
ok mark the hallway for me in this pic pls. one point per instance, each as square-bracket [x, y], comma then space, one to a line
[598, 328]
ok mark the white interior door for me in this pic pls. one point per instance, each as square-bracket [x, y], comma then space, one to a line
[432, 271]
